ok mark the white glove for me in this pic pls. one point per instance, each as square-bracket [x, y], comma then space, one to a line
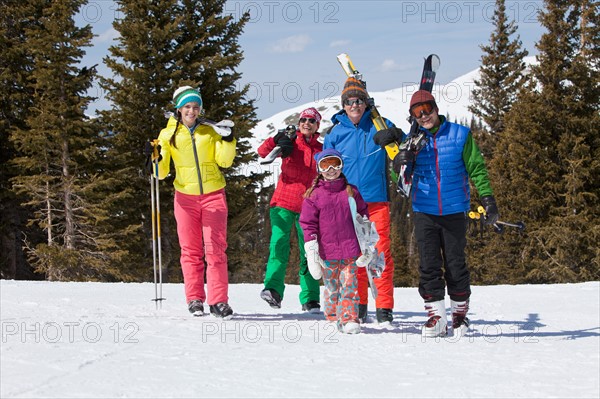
[314, 261]
[224, 127]
[364, 259]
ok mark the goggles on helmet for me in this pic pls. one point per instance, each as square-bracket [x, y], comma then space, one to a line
[330, 162]
[418, 110]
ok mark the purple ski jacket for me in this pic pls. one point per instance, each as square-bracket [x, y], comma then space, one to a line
[326, 217]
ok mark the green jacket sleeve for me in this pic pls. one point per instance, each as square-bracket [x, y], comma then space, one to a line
[476, 169]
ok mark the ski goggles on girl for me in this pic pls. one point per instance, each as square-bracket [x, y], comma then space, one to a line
[309, 120]
[328, 163]
[418, 110]
[358, 101]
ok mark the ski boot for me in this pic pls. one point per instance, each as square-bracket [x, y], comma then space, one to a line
[384, 315]
[311, 307]
[437, 325]
[460, 321]
[272, 297]
[196, 307]
[362, 313]
[221, 310]
[350, 327]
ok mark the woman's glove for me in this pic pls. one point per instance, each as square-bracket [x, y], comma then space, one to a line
[283, 141]
[314, 261]
[151, 155]
[229, 137]
[225, 129]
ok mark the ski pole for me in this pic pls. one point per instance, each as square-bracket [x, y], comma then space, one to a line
[156, 242]
[474, 215]
[498, 226]
[476, 222]
[518, 225]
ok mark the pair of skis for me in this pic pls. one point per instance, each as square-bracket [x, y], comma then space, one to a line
[415, 139]
[378, 121]
[289, 131]
[222, 128]
[367, 239]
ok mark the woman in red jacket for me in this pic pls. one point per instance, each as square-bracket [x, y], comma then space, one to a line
[298, 170]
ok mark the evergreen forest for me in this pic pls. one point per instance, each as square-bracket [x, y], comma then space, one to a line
[75, 194]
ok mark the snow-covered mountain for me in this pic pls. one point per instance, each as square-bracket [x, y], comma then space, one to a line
[453, 100]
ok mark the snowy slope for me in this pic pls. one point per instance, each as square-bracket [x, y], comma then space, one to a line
[108, 340]
[453, 100]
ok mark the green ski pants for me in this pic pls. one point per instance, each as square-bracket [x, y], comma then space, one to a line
[282, 221]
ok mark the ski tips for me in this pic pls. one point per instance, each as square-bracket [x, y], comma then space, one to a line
[434, 61]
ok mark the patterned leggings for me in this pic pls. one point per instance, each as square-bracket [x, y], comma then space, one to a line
[341, 290]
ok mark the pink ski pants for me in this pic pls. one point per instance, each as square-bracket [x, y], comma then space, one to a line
[202, 231]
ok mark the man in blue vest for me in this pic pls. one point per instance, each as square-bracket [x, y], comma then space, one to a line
[441, 200]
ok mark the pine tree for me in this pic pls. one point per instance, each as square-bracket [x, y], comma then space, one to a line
[403, 246]
[502, 69]
[212, 55]
[171, 44]
[15, 99]
[545, 166]
[59, 146]
[144, 63]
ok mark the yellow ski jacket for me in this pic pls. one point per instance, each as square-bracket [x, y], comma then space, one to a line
[212, 153]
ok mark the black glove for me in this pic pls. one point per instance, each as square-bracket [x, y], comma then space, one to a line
[283, 140]
[228, 138]
[148, 151]
[404, 157]
[287, 132]
[491, 210]
[387, 136]
[287, 146]
[148, 148]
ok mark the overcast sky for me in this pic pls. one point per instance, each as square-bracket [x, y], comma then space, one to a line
[290, 47]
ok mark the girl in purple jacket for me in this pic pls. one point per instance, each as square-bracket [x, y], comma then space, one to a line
[330, 240]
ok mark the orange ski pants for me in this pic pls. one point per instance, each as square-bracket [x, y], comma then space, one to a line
[379, 212]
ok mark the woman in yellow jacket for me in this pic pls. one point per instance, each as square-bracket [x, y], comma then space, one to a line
[198, 152]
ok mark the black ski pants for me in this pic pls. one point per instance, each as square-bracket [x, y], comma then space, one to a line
[442, 241]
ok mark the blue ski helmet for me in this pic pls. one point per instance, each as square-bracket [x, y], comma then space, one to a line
[328, 153]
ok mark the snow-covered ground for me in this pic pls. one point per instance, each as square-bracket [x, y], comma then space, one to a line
[108, 340]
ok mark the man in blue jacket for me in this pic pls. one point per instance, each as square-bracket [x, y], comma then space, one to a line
[365, 165]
